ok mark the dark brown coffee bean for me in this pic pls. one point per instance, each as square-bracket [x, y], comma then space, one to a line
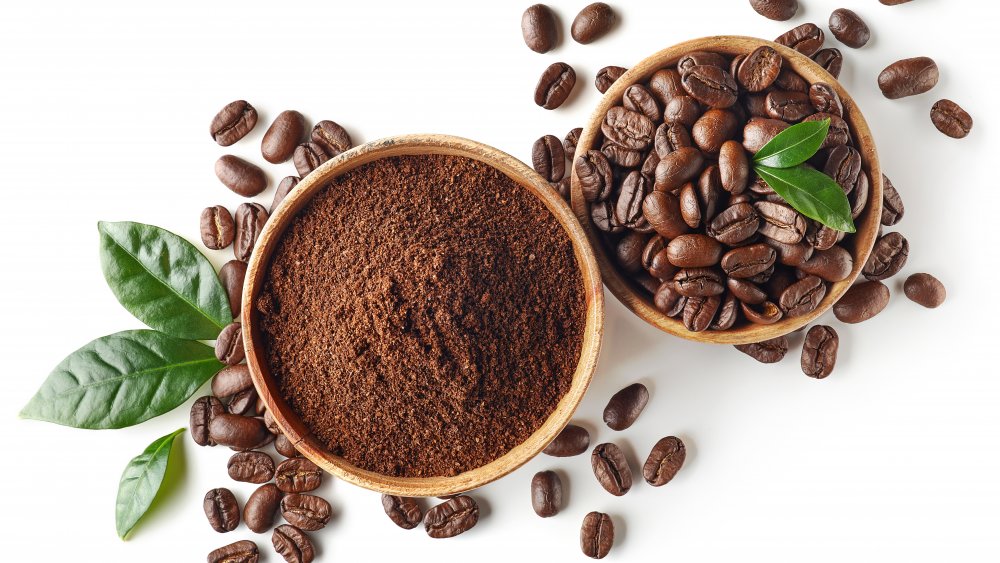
[839, 134]
[788, 106]
[710, 193]
[791, 81]
[700, 311]
[607, 76]
[231, 380]
[244, 403]
[693, 251]
[222, 510]
[602, 213]
[229, 346]
[728, 313]
[849, 28]
[759, 132]
[628, 252]
[570, 141]
[597, 535]
[237, 431]
[628, 208]
[217, 227]
[648, 169]
[240, 176]
[270, 423]
[925, 289]
[832, 61]
[844, 166]
[951, 119]
[546, 493]
[825, 99]
[251, 467]
[821, 237]
[243, 551]
[678, 168]
[690, 210]
[777, 10]
[548, 158]
[331, 137]
[232, 275]
[292, 544]
[892, 203]
[713, 128]
[887, 258]
[624, 158]
[780, 222]
[832, 265]
[233, 122]
[306, 512]
[638, 98]
[734, 167]
[452, 517]
[748, 261]
[792, 254]
[625, 406]
[859, 197]
[259, 511]
[698, 282]
[285, 187]
[555, 85]
[611, 469]
[281, 138]
[250, 219]
[592, 23]
[594, 173]
[759, 69]
[908, 77]
[764, 314]
[662, 211]
[802, 297]
[628, 129]
[819, 351]
[762, 277]
[573, 440]
[862, 302]
[668, 300]
[746, 291]
[665, 84]
[538, 26]
[711, 85]
[653, 247]
[308, 157]
[682, 109]
[403, 511]
[298, 475]
[664, 461]
[766, 352]
[284, 446]
[698, 58]
[735, 224]
[203, 411]
[806, 39]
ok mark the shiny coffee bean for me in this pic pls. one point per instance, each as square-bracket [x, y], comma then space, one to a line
[281, 138]
[806, 39]
[607, 76]
[791, 81]
[628, 252]
[284, 446]
[844, 165]
[849, 28]
[298, 475]
[802, 297]
[748, 261]
[831, 265]
[602, 213]
[217, 227]
[308, 157]
[229, 346]
[862, 302]
[250, 219]
[251, 467]
[698, 282]
[570, 141]
[859, 197]
[628, 129]
[887, 258]
[819, 351]
[628, 208]
[711, 85]
[625, 406]
[331, 137]
[403, 511]
[758, 71]
[729, 312]
[668, 300]
[597, 535]
[682, 109]
[764, 314]
[203, 411]
[788, 106]
[233, 122]
[292, 544]
[713, 128]
[780, 222]
[285, 187]
[908, 77]
[690, 209]
[237, 431]
[539, 28]
[231, 380]
[621, 156]
[698, 58]
[821, 237]
[759, 132]
[546, 493]
[745, 291]
[306, 512]
[665, 84]
[766, 352]
[677, 168]
[662, 211]
[243, 551]
[240, 176]
[664, 461]
[951, 119]
[832, 61]
[777, 10]
[700, 311]
[259, 511]
[222, 510]
[595, 175]
[825, 99]
[839, 133]
[735, 224]
[452, 517]
[892, 203]
[925, 289]
[232, 275]
[734, 167]
[548, 158]
[710, 193]
[573, 440]
[638, 98]
[693, 251]
[555, 85]
[611, 469]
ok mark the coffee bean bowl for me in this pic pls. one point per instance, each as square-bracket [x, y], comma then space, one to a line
[639, 300]
[267, 386]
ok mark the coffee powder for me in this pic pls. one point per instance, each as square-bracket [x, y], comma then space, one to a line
[423, 315]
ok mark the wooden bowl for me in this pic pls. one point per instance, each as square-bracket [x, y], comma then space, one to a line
[292, 426]
[641, 303]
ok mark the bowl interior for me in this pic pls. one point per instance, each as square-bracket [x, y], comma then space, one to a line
[641, 303]
[292, 426]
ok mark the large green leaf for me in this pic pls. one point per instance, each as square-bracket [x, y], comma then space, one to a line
[141, 481]
[122, 379]
[794, 145]
[812, 194]
[163, 280]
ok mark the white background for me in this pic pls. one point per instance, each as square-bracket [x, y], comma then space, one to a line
[896, 456]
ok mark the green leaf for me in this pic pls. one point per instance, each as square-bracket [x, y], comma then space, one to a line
[163, 280]
[140, 482]
[812, 194]
[794, 145]
[122, 379]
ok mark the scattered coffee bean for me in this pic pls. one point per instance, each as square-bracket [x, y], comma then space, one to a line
[664, 461]
[777, 10]
[217, 227]
[259, 511]
[331, 137]
[250, 219]
[925, 289]
[308, 157]
[237, 431]
[240, 176]
[546, 493]
[555, 85]
[403, 511]
[244, 403]
[233, 122]
[306, 512]
[281, 138]
[951, 119]
[452, 517]
[597, 535]
[292, 544]
[819, 351]
[592, 23]
[892, 203]
[573, 440]
[862, 302]
[766, 352]
[232, 275]
[229, 346]
[888, 257]
[607, 76]
[548, 158]
[284, 446]
[538, 26]
[806, 39]
[222, 510]
[243, 551]
[203, 411]
[849, 28]
[625, 406]
[611, 469]
[251, 467]
[298, 475]
[908, 77]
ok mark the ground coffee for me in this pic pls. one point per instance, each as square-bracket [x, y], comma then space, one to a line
[423, 315]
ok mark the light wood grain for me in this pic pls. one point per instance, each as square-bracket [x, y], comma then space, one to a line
[867, 224]
[292, 425]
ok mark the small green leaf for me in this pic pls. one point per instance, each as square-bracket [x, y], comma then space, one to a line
[140, 482]
[122, 379]
[794, 145]
[812, 194]
[163, 280]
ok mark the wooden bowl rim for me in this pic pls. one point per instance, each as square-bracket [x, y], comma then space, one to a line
[417, 144]
[867, 223]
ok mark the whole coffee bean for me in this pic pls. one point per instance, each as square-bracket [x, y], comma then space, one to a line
[892, 203]
[231, 380]
[819, 351]
[623, 157]
[711, 85]
[203, 411]
[573, 440]
[237, 431]
[259, 511]
[308, 157]
[625, 406]
[662, 211]
[638, 98]
[229, 346]
[764, 314]
[792, 254]
[244, 403]
[734, 167]
[240, 176]
[270, 423]
[777, 10]
[665, 84]
[862, 302]
[555, 85]
[844, 166]
[292, 544]
[592, 23]
[759, 132]
[806, 39]
[788, 106]
[628, 252]
[611, 469]
[648, 169]
[452, 517]
[233, 122]
[403, 511]
[594, 173]
[570, 141]
[232, 275]
[748, 261]
[628, 208]
[243, 551]
[887, 258]
[700, 311]
[859, 197]
[250, 219]
[729, 310]
[548, 158]
[284, 446]
[791, 81]
[735, 224]
[690, 209]
[306, 512]
[746, 291]
[653, 247]
[825, 99]
[678, 168]
[546, 493]
[285, 187]
[698, 282]
[832, 265]
[759, 69]
[538, 26]
[602, 213]
[298, 475]
[222, 510]
[849, 28]
[766, 352]
[839, 133]
[217, 227]
[802, 297]
[629, 129]
[925, 289]
[251, 467]
[597, 535]
[682, 109]
[710, 192]
[698, 58]
[664, 461]
[281, 138]
[607, 76]
[713, 128]
[331, 137]
[694, 251]
[668, 300]
[780, 222]
[832, 61]
[908, 77]
[951, 119]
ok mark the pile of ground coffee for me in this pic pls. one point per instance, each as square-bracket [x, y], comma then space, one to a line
[423, 315]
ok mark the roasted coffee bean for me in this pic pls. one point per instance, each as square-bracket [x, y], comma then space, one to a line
[281, 138]
[832, 265]
[764, 314]
[243, 551]
[802, 297]
[780, 281]
[292, 544]
[308, 157]
[887, 258]
[862, 302]
[806, 39]
[665, 84]
[698, 282]
[573, 440]
[668, 300]
[222, 510]
[682, 109]
[306, 512]
[694, 251]
[240, 176]
[452, 517]
[628, 129]
[284, 446]
[229, 346]
[539, 28]
[746, 291]
[654, 245]
[546, 493]
[711, 85]
[766, 352]
[611, 469]
[677, 168]
[664, 461]
[203, 411]
[951, 119]
[734, 167]
[819, 351]
[792, 254]
[677, 137]
[821, 237]
[849, 28]
[661, 268]
[597, 535]
[780, 222]
[759, 69]
[233, 122]
[825, 99]
[244, 403]
[832, 60]
[892, 203]
[844, 165]
[713, 128]
[270, 423]
[403, 511]
[748, 261]
[217, 227]
[625, 406]
[925, 289]
[548, 158]
[592, 23]
[250, 219]
[251, 467]
[735, 224]
[729, 311]
[232, 275]
[648, 169]
[791, 81]
[259, 511]
[759, 132]
[628, 252]
[607, 76]
[839, 134]
[594, 173]
[285, 187]
[237, 431]
[710, 192]
[602, 213]
[231, 380]
[624, 158]
[570, 141]
[764, 276]
[555, 85]
[698, 58]
[662, 211]
[700, 311]
[777, 10]
[859, 197]
[628, 208]
[638, 98]
[788, 106]
[298, 475]
[690, 210]
[908, 77]
[331, 137]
